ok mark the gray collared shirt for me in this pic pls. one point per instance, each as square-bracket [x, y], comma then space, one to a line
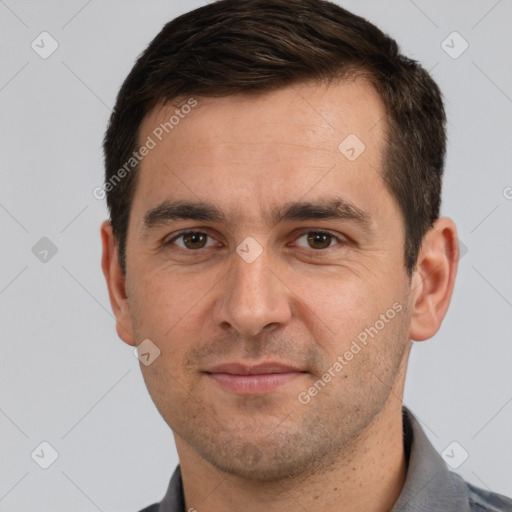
[429, 485]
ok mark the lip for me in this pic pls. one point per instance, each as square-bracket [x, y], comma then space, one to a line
[251, 380]
[258, 369]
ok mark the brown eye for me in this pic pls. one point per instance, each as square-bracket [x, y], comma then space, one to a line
[319, 240]
[194, 240]
[191, 240]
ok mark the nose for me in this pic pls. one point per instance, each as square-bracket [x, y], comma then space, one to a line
[253, 297]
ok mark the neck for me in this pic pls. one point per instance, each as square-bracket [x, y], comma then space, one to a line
[368, 479]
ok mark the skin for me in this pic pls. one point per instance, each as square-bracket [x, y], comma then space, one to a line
[298, 303]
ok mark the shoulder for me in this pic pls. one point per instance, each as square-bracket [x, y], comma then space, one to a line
[173, 501]
[481, 500]
[431, 486]
[151, 508]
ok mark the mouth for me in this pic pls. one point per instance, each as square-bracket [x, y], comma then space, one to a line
[252, 380]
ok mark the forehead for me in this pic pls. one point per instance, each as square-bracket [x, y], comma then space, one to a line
[346, 106]
[243, 149]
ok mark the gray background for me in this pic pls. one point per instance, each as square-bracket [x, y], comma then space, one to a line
[65, 376]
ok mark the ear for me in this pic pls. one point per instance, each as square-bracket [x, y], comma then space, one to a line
[116, 284]
[434, 278]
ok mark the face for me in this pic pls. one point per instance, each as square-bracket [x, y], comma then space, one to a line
[265, 262]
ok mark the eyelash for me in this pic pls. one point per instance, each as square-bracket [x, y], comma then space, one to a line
[301, 234]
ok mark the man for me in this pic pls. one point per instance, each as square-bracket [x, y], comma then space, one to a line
[273, 174]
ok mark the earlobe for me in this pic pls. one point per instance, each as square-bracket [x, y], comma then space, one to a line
[434, 279]
[116, 284]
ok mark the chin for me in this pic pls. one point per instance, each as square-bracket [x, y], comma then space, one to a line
[270, 460]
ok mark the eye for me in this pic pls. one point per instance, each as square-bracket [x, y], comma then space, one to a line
[191, 240]
[319, 239]
[196, 240]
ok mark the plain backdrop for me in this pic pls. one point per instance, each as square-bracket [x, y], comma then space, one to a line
[67, 380]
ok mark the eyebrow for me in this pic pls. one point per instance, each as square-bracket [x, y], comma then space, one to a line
[329, 209]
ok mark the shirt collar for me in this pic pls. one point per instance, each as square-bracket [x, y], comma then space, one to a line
[429, 485]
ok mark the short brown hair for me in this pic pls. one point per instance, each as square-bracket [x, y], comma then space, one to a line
[256, 46]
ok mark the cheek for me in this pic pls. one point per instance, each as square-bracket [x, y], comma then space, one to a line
[162, 303]
[171, 313]
[167, 388]
[164, 313]
[341, 303]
